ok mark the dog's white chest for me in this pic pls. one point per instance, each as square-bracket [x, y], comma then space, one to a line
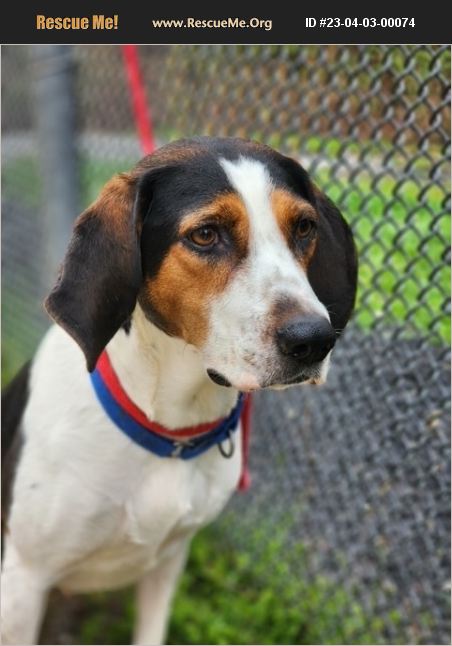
[93, 506]
[173, 500]
[183, 496]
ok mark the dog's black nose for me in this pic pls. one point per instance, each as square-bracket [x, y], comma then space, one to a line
[308, 339]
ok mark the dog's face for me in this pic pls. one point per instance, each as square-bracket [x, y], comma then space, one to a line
[224, 243]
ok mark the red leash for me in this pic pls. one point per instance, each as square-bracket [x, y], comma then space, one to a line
[137, 92]
[143, 124]
[245, 478]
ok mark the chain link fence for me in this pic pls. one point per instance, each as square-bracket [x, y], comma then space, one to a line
[351, 482]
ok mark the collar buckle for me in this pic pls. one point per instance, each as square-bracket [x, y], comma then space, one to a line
[179, 447]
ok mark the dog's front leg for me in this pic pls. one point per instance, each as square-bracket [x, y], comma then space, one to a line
[154, 594]
[24, 595]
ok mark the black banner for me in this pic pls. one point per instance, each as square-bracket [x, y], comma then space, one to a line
[154, 23]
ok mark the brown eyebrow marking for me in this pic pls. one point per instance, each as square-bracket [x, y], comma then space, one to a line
[287, 208]
[225, 208]
[228, 210]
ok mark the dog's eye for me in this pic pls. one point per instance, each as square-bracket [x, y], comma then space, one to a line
[204, 236]
[304, 228]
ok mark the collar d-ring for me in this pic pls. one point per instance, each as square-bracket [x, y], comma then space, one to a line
[229, 451]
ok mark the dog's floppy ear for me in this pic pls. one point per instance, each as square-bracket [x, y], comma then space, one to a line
[97, 287]
[333, 269]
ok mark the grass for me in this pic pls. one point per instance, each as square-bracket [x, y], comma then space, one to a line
[226, 596]
[231, 597]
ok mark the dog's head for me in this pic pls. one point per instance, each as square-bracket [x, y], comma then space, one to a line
[224, 243]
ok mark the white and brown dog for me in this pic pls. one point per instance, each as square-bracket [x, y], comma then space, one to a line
[215, 267]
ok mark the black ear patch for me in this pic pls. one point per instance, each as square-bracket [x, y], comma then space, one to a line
[333, 269]
[99, 281]
[297, 179]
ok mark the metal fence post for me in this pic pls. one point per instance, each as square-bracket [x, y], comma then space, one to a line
[55, 114]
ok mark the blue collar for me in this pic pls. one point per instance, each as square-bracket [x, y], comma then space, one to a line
[106, 386]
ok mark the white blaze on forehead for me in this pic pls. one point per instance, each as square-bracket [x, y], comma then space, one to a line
[251, 181]
[269, 255]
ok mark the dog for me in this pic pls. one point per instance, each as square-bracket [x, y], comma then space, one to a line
[212, 269]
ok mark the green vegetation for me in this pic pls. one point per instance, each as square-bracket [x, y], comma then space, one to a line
[106, 618]
[94, 174]
[227, 596]
[233, 597]
[402, 234]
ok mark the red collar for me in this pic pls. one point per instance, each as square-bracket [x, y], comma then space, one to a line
[110, 380]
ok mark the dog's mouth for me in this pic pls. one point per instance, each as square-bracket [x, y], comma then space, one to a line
[301, 378]
[245, 383]
[286, 382]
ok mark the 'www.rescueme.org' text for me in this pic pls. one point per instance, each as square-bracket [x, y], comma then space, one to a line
[212, 23]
